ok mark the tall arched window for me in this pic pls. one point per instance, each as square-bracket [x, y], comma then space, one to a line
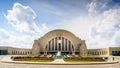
[59, 44]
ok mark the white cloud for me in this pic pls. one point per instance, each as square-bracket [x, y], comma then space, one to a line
[109, 18]
[97, 6]
[80, 26]
[3, 34]
[99, 31]
[105, 33]
[116, 38]
[22, 18]
[92, 7]
[10, 39]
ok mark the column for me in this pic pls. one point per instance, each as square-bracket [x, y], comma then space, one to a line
[51, 45]
[61, 43]
[54, 44]
[70, 46]
[64, 44]
[67, 45]
[57, 44]
[47, 47]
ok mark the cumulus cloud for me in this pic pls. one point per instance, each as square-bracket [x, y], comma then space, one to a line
[105, 33]
[104, 26]
[22, 18]
[10, 39]
[99, 31]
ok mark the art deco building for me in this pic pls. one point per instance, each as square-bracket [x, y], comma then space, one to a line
[59, 40]
[62, 41]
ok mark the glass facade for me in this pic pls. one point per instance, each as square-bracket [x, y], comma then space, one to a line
[3, 52]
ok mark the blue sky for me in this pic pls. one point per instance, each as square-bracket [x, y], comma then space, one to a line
[96, 21]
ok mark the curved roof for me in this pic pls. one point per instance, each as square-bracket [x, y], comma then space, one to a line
[59, 30]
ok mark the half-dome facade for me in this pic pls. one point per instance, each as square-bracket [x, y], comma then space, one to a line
[59, 40]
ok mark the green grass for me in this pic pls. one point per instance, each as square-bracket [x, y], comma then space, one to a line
[81, 61]
[38, 60]
[91, 56]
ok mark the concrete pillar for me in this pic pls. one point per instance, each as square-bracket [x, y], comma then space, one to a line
[70, 45]
[64, 44]
[51, 45]
[57, 44]
[61, 44]
[54, 44]
[67, 45]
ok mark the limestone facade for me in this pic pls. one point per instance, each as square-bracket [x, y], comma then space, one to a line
[104, 51]
[59, 40]
[63, 41]
[16, 51]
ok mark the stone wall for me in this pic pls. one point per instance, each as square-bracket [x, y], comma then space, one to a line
[16, 51]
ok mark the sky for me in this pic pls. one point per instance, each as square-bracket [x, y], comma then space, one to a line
[95, 21]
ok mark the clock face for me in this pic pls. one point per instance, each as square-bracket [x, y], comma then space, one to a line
[59, 41]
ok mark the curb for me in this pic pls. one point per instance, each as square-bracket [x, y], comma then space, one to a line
[67, 63]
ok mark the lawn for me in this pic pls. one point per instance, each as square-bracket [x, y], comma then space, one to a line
[91, 56]
[38, 60]
[81, 61]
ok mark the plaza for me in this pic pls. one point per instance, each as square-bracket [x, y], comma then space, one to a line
[24, 65]
[59, 42]
[63, 41]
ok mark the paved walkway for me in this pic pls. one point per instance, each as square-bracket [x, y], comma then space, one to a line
[6, 58]
[58, 61]
[1, 57]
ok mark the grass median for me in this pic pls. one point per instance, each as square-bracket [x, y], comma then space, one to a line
[38, 60]
[81, 61]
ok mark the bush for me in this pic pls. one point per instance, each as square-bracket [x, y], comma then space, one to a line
[84, 58]
[21, 58]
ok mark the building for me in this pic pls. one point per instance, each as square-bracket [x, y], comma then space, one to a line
[63, 41]
[59, 40]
